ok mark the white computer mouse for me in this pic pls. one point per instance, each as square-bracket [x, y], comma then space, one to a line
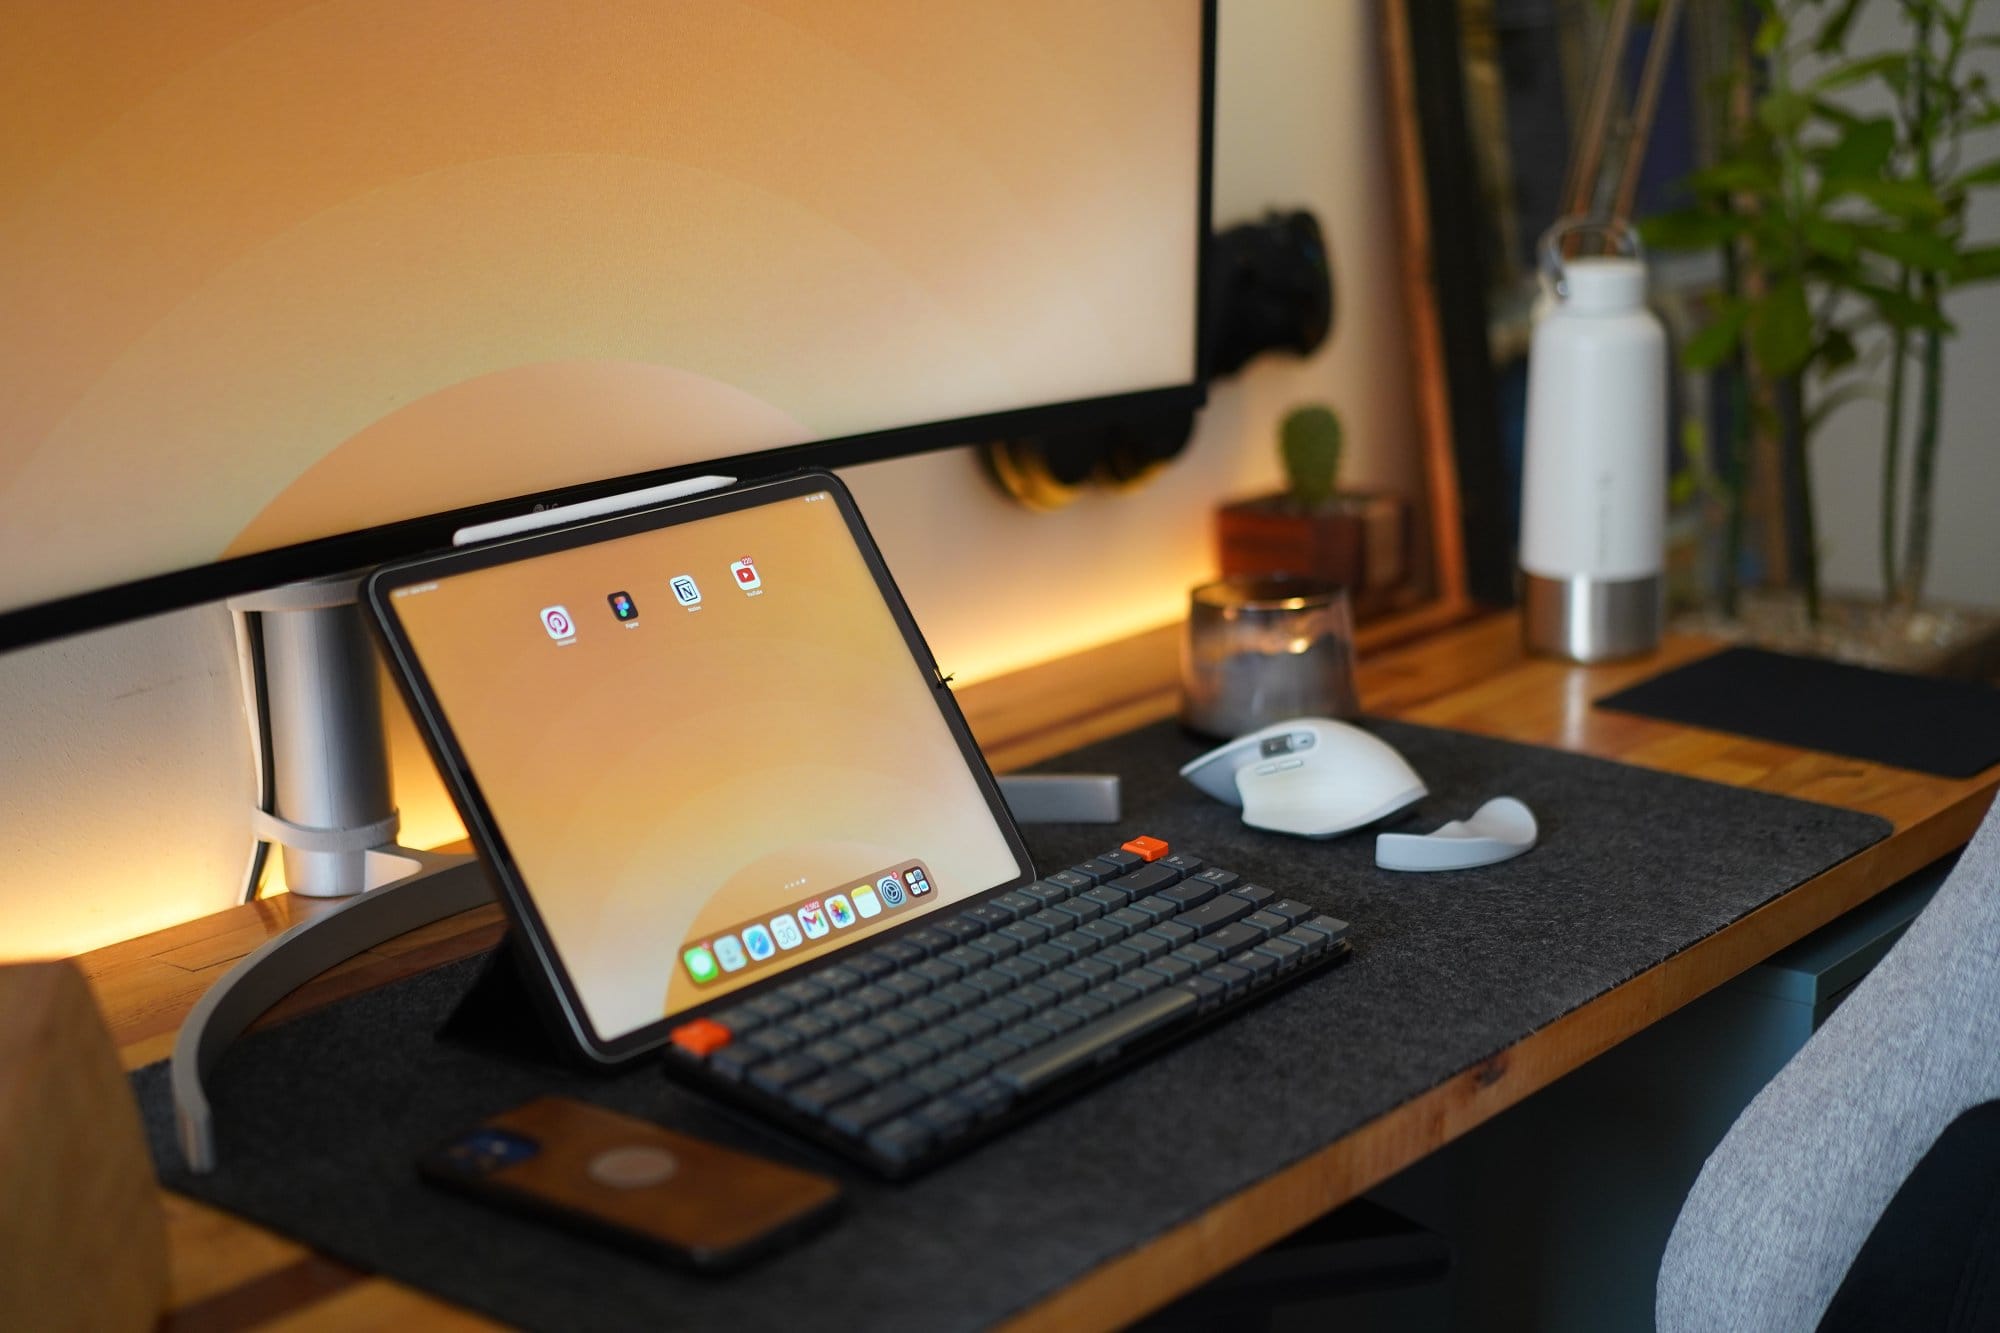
[1310, 776]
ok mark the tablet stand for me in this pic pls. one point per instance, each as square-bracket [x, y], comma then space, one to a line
[501, 1015]
[319, 703]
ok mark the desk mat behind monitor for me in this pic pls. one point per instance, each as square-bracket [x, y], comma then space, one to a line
[320, 1119]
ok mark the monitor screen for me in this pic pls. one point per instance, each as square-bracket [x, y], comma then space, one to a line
[280, 272]
[702, 753]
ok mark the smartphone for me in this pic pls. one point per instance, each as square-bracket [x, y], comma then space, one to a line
[665, 1195]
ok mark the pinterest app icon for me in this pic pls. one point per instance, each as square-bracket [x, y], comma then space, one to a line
[555, 619]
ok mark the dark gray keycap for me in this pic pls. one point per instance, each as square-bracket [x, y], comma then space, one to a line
[1182, 862]
[992, 915]
[874, 999]
[1078, 909]
[741, 1020]
[1155, 908]
[961, 927]
[1071, 880]
[1075, 944]
[1049, 956]
[1197, 956]
[1057, 1020]
[1208, 994]
[1063, 982]
[1261, 966]
[1131, 919]
[806, 1027]
[1174, 933]
[1005, 1013]
[996, 945]
[831, 1051]
[999, 1050]
[1021, 968]
[1148, 978]
[1220, 878]
[1095, 1041]
[1024, 933]
[942, 1039]
[1035, 996]
[779, 1074]
[860, 1114]
[805, 992]
[1331, 927]
[1109, 898]
[771, 1006]
[734, 1061]
[1049, 919]
[869, 965]
[1291, 909]
[772, 1040]
[1173, 969]
[1017, 902]
[1044, 892]
[937, 971]
[816, 1095]
[839, 978]
[841, 1012]
[1289, 955]
[985, 1098]
[1268, 922]
[1093, 971]
[945, 1117]
[1311, 941]
[906, 984]
[895, 1022]
[877, 1068]
[928, 939]
[1121, 957]
[989, 983]
[1105, 931]
[901, 1140]
[864, 1036]
[1115, 993]
[1086, 1007]
[966, 1065]
[1230, 975]
[928, 1009]
[1214, 915]
[936, 1080]
[900, 952]
[964, 959]
[1192, 893]
[1231, 939]
[1148, 879]
[1149, 945]
[959, 995]
[975, 1025]
[1254, 894]
[1123, 859]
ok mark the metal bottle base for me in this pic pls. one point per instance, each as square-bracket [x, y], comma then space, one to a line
[1592, 620]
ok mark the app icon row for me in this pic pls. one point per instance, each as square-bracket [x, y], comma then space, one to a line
[816, 918]
[561, 626]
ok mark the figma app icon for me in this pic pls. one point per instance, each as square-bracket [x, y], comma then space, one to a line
[555, 619]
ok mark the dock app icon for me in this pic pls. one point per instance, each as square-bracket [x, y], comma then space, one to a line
[813, 919]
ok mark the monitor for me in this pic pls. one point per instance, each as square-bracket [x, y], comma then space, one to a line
[294, 288]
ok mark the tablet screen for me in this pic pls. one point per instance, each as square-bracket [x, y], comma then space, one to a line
[707, 749]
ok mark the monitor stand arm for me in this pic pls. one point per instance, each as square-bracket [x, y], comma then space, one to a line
[320, 705]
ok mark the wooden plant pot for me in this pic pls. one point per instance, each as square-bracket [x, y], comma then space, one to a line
[1360, 539]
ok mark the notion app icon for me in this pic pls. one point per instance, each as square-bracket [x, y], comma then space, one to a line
[555, 619]
[892, 890]
[700, 964]
[686, 591]
[813, 918]
[866, 903]
[757, 941]
[729, 952]
[787, 931]
[745, 573]
[840, 910]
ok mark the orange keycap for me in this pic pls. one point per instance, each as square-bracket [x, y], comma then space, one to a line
[703, 1037]
[1151, 849]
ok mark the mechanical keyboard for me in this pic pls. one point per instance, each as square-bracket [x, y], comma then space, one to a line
[904, 1054]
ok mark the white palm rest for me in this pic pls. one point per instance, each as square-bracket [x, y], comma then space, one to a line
[1500, 829]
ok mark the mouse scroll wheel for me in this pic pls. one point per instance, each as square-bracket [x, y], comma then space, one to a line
[1276, 745]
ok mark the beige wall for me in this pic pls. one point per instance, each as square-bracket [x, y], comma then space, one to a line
[125, 760]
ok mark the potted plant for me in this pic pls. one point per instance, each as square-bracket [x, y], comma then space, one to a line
[1359, 539]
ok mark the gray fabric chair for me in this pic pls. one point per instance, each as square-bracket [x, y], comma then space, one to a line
[1785, 1202]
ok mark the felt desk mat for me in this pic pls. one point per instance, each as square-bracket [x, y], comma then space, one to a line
[1950, 728]
[320, 1119]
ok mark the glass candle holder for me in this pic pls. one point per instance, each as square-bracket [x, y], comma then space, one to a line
[1261, 649]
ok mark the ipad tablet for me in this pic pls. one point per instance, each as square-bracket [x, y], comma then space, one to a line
[697, 746]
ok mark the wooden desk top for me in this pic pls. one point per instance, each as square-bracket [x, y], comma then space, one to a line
[230, 1274]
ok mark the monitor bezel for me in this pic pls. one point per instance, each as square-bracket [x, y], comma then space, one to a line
[557, 989]
[364, 548]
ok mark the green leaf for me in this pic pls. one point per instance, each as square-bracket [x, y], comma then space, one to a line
[1780, 327]
[1919, 249]
[1730, 176]
[1782, 113]
[1904, 311]
[1833, 402]
[1892, 67]
[1862, 151]
[1830, 237]
[1690, 230]
[1988, 174]
[1770, 34]
[1836, 352]
[1833, 34]
[1979, 264]
[1903, 199]
[1714, 344]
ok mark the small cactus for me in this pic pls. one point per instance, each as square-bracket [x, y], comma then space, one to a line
[1311, 442]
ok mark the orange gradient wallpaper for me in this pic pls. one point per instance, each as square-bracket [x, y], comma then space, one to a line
[697, 757]
[275, 270]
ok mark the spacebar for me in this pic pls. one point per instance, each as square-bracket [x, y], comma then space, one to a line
[1096, 1041]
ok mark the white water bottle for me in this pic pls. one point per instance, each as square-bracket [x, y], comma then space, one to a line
[1594, 486]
